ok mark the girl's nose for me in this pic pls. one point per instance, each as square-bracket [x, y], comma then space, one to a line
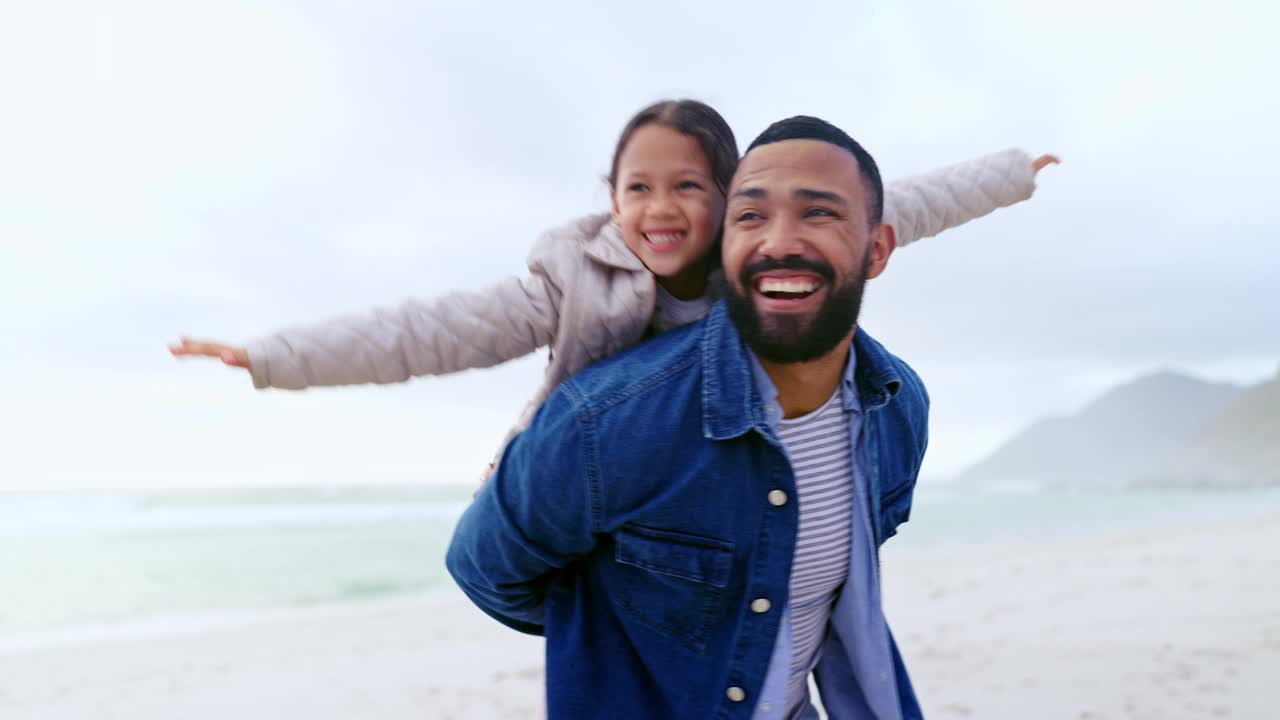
[663, 205]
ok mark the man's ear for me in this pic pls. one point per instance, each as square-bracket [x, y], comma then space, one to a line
[883, 242]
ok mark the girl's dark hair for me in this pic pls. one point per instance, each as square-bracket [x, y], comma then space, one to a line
[695, 119]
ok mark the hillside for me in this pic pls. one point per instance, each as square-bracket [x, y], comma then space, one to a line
[1128, 435]
[1240, 446]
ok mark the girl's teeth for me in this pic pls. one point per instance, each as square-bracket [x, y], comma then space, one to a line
[662, 238]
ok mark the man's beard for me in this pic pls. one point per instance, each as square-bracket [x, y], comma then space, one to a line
[796, 338]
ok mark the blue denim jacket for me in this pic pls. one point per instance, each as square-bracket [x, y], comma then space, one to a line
[644, 509]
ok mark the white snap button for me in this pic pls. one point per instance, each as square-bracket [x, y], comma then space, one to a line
[761, 605]
[777, 498]
[736, 694]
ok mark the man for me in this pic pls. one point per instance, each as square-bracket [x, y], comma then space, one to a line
[694, 523]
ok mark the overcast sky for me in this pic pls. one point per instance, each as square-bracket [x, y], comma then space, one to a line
[225, 168]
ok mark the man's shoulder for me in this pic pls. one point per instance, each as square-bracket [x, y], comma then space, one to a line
[911, 381]
[650, 369]
[890, 368]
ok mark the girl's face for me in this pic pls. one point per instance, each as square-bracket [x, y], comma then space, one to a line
[668, 207]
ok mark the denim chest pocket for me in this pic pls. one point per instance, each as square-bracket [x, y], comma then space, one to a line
[672, 582]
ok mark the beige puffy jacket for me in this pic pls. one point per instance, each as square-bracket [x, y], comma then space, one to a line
[586, 296]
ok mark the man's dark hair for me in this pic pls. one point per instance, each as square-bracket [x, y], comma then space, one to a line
[804, 127]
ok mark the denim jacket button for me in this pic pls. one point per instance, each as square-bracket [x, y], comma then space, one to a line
[760, 605]
[777, 498]
[736, 694]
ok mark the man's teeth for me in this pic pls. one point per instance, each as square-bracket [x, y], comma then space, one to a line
[768, 285]
[663, 238]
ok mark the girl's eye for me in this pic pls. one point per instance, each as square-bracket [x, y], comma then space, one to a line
[688, 185]
[637, 187]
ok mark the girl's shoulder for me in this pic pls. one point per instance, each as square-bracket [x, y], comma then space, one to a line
[591, 239]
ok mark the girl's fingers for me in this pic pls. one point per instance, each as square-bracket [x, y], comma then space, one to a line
[231, 356]
[192, 347]
[207, 349]
[184, 347]
[235, 358]
[1044, 161]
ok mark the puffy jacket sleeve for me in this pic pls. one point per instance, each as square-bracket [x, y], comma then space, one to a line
[925, 205]
[450, 333]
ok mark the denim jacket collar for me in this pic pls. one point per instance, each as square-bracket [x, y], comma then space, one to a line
[877, 376]
[735, 388]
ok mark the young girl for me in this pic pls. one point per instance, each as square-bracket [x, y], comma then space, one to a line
[600, 283]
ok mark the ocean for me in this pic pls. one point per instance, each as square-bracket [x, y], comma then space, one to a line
[101, 559]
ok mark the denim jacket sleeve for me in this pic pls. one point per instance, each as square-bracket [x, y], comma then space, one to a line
[532, 518]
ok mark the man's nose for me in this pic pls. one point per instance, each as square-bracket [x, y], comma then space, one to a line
[782, 237]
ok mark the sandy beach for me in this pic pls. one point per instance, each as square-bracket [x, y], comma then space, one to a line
[1177, 622]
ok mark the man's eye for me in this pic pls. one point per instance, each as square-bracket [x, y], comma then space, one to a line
[637, 187]
[748, 216]
[819, 212]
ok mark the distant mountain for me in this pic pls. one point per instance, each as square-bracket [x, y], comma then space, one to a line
[1128, 436]
[1240, 446]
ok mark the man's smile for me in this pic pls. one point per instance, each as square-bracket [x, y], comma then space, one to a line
[787, 291]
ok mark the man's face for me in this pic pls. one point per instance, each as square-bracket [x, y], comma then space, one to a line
[798, 246]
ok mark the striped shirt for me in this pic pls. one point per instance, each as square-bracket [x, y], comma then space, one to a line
[818, 445]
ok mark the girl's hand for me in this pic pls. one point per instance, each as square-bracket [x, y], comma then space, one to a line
[1042, 162]
[228, 354]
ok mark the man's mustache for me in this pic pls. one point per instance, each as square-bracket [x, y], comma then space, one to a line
[790, 262]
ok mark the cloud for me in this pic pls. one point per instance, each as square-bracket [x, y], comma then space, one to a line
[226, 169]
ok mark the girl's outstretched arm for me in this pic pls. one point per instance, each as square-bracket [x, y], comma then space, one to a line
[450, 333]
[925, 205]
